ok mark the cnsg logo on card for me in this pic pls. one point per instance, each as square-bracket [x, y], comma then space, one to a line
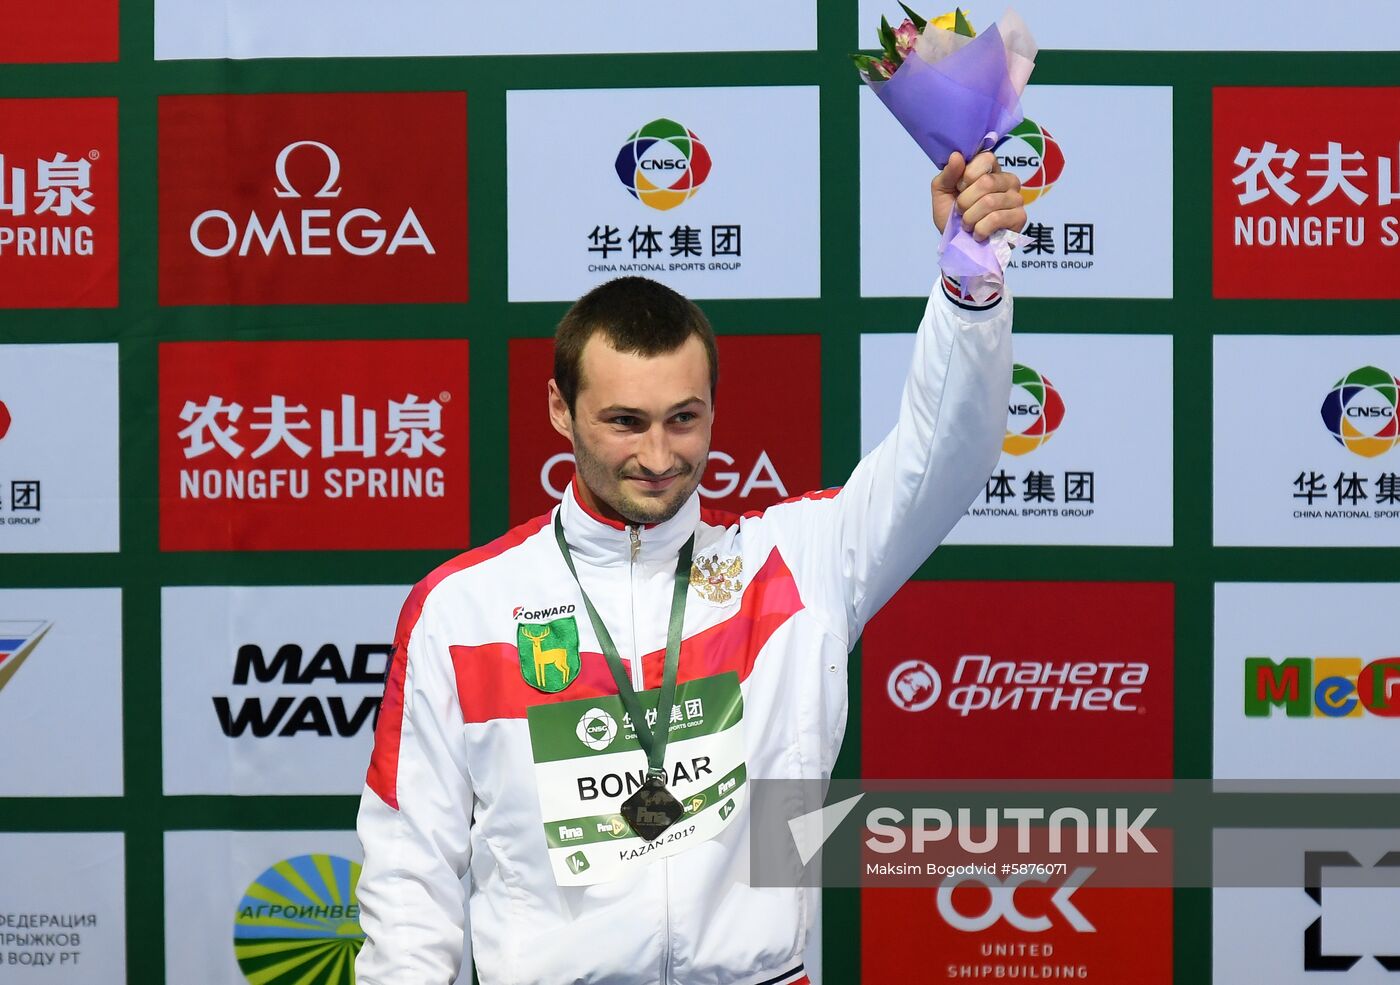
[58, 203]
[1023, 679]
[299, 923]
[313, 445]
[299, 198]
[757, 456]
[1034, 156]
[663, 164]
[1305, 196]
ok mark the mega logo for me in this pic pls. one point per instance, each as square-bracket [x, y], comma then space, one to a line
[299, 923]
[1023, 679]
[756, 459]
[1035, 412]
[1034, 156]
[58, 203]
[18, 638]
[663, 164]
[1322, 687]
[1359, 411]
[295, 714]
[274, 199]
[313, 445]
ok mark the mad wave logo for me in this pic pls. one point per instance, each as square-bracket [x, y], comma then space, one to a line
[520, 613]
[299, 923]
[18, 638]
[1322, 687]
[663, 164]
[1034, 413]
[1360, 411]
[1034, 156]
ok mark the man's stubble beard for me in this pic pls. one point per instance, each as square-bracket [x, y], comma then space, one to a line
[609, 486]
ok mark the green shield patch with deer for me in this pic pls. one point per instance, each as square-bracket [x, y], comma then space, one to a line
[549, 658]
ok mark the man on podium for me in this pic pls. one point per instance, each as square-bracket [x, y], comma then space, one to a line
[573, 710]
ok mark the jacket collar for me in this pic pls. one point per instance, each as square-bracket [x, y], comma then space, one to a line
[599, 541]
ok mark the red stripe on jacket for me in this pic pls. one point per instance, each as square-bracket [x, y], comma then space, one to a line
[490, 684]
[383, 776]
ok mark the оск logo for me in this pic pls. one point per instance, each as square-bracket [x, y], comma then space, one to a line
[1360, 411]
[663, 164]
[1035, 411]
[1034, 156]
[299, 923]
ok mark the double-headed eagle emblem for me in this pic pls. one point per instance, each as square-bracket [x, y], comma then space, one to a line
[717, 579]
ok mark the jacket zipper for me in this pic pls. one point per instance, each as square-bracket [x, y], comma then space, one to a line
[636, 539]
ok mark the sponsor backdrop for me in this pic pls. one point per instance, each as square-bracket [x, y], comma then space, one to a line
[277, 283]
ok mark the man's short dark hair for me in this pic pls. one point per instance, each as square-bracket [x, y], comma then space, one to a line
[635, 315]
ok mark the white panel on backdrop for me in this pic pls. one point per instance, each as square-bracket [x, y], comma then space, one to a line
[592, 190]
[210, 877]
[1101, 226]
[58, 448]
[1188, 25]
[63, 898]
[364, 28]
[273, 690]
[61, 692]
[1305, 441]
[1330, 632]
[1088, 453]
[1260, 934]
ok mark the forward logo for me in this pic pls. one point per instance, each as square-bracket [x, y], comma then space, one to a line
[18, 638]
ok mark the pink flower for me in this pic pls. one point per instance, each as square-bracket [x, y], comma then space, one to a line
[905, 37]
[886, 68]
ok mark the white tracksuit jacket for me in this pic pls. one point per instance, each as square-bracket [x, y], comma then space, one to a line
[451, 786]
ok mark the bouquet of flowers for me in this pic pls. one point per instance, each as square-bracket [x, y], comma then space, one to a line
[955, 90]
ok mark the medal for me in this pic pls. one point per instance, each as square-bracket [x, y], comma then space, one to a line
[653, 808]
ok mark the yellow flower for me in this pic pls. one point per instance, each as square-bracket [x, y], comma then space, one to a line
[949, 22]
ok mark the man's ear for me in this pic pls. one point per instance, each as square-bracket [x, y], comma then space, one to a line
[559, 414]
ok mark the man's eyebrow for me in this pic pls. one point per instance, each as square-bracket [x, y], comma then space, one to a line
[638, 412]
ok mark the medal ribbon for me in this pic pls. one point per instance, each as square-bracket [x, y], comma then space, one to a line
[653, 743]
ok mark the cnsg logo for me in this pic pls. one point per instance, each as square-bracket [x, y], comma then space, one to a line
[1035, 411]
[1360, 411]
[663, 164]
[1322, 687]
[596, 729]
[1034, 156]
[358, 231]
[299, 923]
[914, 685]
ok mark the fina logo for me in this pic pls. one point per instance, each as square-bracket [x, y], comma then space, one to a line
[663, 164]
[309, 232]
[1034, 413]
[1360, 411]
[1034, 156]
[914, 685]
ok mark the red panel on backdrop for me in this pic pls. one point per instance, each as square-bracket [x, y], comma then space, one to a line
[960, 933]
[313, 445]
[1307, 192]
[74, 31]
[1051, 680]
[767, 439]
[325, 198]
[58, 203]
